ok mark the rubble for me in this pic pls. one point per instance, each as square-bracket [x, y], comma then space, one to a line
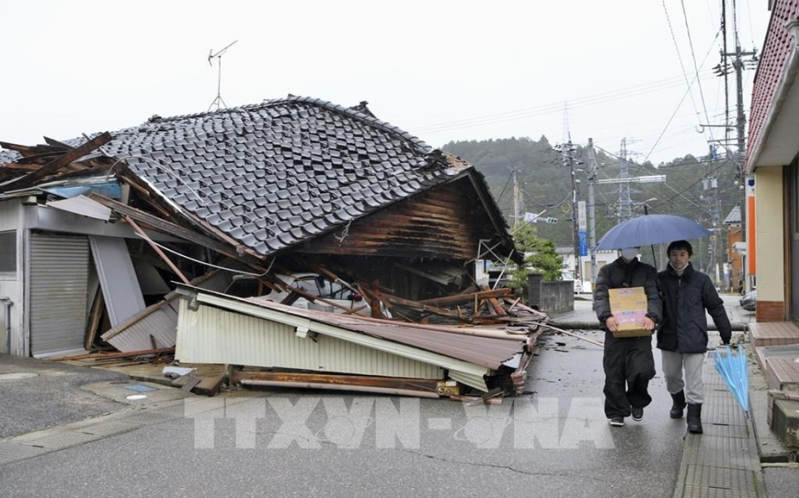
[377, 233]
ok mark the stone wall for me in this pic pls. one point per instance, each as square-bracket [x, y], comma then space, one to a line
[550, 297]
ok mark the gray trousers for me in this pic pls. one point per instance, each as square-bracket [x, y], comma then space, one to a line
[674, 363]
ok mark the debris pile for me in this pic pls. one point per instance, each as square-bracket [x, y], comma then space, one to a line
[309, 242]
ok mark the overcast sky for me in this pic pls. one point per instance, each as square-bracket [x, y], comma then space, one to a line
[442, 70]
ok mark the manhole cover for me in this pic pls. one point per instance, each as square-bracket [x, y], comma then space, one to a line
[18, 376]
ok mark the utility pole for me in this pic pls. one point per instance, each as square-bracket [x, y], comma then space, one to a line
[739, 64]
[575, 222]
[591, 208]
[518, 202]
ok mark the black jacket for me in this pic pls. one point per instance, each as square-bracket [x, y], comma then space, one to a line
[620, 274]
[685, 299]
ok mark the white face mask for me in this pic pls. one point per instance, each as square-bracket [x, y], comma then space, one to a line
[629, 253]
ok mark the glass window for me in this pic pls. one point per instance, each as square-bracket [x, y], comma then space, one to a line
[8, 253]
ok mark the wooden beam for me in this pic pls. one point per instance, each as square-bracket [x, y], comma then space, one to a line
[53, 166]
[158, 250]
[163, 225]
[464, 298]
[120, 354]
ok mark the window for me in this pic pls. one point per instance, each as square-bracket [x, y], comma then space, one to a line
[8, 253]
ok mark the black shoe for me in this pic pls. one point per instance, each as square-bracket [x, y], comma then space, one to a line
[678, 405]
[616, 421]
[638, 413]
[695, 418]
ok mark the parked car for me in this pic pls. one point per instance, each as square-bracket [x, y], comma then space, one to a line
[749, 300]
[568, 275]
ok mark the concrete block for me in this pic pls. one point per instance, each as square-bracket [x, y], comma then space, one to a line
[785, 422]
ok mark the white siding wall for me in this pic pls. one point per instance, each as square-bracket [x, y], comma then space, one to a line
[211, 335]
[12, 286]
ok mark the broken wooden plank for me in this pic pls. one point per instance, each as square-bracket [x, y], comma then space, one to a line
[465, 298]
[96, 314]
[157, 250]
[388, 385]
[418, 306]
[573, 334]
[497, 307]
[167, 227]
[126, 354]
[191, 383]
[53, 166]
[209, 385]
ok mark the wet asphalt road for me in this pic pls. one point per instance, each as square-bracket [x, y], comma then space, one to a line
[552, 442]
[53, 397]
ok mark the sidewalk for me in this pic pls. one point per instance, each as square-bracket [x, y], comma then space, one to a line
[726, 459]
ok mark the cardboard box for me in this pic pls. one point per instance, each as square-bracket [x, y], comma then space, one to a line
[629, 308]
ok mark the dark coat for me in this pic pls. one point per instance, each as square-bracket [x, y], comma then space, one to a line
[620, 274]
[685, 299]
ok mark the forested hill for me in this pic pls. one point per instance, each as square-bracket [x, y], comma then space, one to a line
[547, 186]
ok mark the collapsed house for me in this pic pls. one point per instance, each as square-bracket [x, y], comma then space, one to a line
[293, 200]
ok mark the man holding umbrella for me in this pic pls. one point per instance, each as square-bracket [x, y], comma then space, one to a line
[627, 361]
[682, 337]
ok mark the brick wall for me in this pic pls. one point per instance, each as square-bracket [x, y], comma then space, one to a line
[770, 311]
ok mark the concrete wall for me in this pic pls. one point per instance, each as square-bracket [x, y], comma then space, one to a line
[770, 243]
[11, 286]
[550, 297]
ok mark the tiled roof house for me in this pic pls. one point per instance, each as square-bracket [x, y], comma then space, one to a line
[772, 208]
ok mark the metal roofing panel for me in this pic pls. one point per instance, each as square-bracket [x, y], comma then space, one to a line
[123, 297]
[159, 320]
[213, 335]
[83, 206]
[484, 351]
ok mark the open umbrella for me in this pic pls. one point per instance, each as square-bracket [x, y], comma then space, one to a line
[650, 229]
[733, 369]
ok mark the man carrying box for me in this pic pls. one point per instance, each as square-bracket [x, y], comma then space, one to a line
[627, 360]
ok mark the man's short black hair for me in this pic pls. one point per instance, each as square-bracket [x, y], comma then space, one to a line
[680, 244]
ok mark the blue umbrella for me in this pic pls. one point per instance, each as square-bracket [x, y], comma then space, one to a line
[733, 369]
[650, 229]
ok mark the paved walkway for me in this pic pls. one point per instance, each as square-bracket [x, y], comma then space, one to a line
[724, 461]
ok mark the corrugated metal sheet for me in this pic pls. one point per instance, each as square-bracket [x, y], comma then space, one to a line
[58, 287]
[212, 335]
[123, 297]
[159, 320]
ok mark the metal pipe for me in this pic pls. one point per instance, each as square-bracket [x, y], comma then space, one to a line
[340, 387]
[7, 302]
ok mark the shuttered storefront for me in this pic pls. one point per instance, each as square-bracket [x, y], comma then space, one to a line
[59, 275]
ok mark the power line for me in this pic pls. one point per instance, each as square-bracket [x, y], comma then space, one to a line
[679, 55]
[546, 108]
[696, 68]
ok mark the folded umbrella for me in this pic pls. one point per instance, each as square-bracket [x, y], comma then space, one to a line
[650, 229]
[733, 370]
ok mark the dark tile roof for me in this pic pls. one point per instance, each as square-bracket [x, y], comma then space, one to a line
[274, 174]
